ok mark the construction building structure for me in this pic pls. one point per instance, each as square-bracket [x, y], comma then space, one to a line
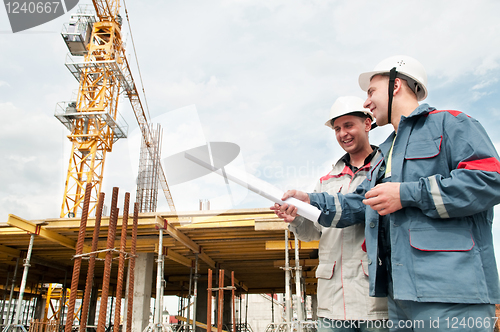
[249, 243]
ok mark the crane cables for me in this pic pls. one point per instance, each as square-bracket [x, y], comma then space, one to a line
[136, 59]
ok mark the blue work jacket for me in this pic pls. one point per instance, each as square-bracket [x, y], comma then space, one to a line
[441, 240]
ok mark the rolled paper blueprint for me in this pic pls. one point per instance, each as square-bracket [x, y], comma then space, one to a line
[258, 186]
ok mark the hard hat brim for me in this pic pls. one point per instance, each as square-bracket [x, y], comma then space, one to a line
[329, 122]
[365, 78]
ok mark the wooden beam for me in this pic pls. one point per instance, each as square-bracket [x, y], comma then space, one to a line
[280, 245]
[43, 232]
[204, 257]
[198, 324]
[270, 224]
[179, 236]
[187, 242]
[221, 224]
[170, 254]
[10, 251]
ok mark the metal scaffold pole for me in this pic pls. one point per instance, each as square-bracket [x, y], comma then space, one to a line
[188, 316]
[17, 324]
[4, 297]
[298, 292]
[157, 320]
[288, 301]
[195, 291]
[9, 320]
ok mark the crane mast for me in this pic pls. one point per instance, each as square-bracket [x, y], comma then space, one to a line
[103, 75]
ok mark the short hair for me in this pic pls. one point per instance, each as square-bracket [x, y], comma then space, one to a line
[359, 114]
[409, 81]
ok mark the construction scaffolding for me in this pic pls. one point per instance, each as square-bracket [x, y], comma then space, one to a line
[212, 236]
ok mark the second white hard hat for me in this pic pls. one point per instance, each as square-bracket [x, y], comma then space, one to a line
[407, 68]
[347, 105]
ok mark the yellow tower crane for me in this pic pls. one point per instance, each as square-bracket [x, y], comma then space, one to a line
[103, 73]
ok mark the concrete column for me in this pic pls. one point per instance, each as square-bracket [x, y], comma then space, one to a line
[143, 281]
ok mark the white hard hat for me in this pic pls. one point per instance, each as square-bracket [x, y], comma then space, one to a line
[407, 68]
[347, 105]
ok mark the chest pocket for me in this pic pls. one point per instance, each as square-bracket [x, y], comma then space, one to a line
[423, 149]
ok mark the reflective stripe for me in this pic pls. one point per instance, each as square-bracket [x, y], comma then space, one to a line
[388, 166]
[437, 198]
[338, 211]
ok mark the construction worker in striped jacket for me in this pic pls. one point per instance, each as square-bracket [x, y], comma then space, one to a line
[427, 207]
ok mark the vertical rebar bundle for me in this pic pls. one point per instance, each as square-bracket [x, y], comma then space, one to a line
[121, 263]
[90, 271]
[131, 279]
[149, 167]
[78, 260]
[108, 261]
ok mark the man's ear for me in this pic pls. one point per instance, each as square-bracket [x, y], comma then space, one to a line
[398, 85]
[368, 124]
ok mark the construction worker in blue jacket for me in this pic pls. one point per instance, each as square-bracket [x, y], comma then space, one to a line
[427, 207]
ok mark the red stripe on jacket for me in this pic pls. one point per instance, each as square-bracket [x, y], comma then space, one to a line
[489, 164]
[454, 113]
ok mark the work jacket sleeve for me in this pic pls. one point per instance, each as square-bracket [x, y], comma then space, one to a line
[305, 229]
[341, 210]
[466, 178]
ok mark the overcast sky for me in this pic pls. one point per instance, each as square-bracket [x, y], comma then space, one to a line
[260, 74]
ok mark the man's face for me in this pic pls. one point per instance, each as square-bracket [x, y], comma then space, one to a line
[378, 98]
[352, 132]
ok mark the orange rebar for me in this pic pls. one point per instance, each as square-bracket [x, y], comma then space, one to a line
[90, 271]
[220, 307]
[121, 264]
[131, 278]
[108, 261]
[78, 260]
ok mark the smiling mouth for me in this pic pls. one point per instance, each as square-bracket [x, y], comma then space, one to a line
[347, 141]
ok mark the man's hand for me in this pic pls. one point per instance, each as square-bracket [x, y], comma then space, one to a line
[384, 198]
[286, 211]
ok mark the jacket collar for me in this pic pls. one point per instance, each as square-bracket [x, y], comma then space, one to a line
[423, 109]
